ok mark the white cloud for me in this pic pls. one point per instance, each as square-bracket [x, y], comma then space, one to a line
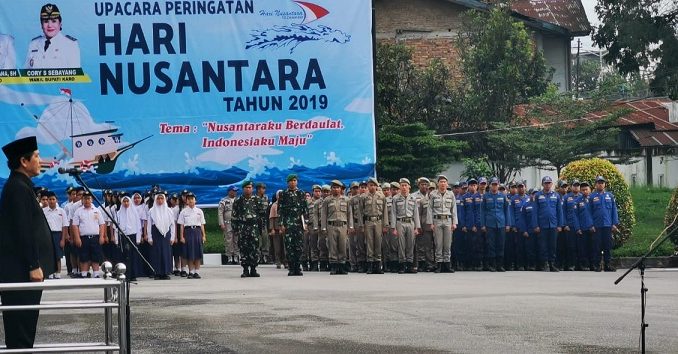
[366, 160]
[132, 165]
[332, 158]
[27, 98]
[360, 105]
[258, 165]
[191, 162]
[294, 162]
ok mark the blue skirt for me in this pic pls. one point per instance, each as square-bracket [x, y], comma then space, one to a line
[161, 252]
[193, 238]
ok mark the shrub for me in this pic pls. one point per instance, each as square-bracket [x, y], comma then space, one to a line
[588, 170]
[670, 217]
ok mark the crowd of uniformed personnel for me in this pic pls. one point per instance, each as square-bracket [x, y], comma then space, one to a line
[369, 227]
[372, 227]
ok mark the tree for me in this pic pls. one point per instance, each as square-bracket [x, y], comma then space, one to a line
[557, 132]
[605, 80]
[501, 68]
[588, 170]
[671, 218]
[474, 168]
[641, 34]
[413, 150]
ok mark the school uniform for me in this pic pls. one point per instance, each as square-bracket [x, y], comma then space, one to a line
[57, 220]
[161, 232]
[192, 219]
[130, 225]
[144, 247]
[88, 221]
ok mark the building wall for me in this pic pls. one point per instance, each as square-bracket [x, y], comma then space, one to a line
[557, 54]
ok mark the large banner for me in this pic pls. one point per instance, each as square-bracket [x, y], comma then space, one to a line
[198, 94]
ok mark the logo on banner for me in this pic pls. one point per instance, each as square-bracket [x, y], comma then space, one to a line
[297, 33]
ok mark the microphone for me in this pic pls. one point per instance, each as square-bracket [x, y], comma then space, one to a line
[69, 171]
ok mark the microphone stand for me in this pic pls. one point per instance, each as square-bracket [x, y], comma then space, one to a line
[640, 264]
[126, 252]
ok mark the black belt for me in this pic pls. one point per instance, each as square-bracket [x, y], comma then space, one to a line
[191, 226]
[405, 220]
[336, 223]
[89, 236]
[372, 218]
[442, 217]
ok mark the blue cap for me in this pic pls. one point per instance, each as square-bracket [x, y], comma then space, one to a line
[494, 180]
[232, 188]
[600, 179]
[546, 179]
[472, 181]
[482, 180]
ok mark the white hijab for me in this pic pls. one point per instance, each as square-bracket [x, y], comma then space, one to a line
[161, 216]
[129, 219]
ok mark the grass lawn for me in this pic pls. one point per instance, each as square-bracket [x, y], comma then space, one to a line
[650, 205]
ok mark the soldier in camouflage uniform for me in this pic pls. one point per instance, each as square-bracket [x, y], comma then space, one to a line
[292, 207]
[224, 215]
[246, 224]
[264, 244]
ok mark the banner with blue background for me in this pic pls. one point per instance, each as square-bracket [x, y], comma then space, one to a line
[196, 95]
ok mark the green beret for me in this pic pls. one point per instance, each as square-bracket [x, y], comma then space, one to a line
[291, 177]
[261, 185]
[247, 183]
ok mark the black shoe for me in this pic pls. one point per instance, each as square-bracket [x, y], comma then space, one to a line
[305, 266]
[578, 268]
[376, 268]
[183, 274]
[253, 273]
[245, 272]
[609, 268]
[354, 268]
[341, 269]
[363, 267]
[553, 268]
[157, 277]
[569, 269]
[333, 269]
[166, 277]
[439, 267]
[176, 273]
[196, 276]
[597, 269]
[190, 276]
[531, 269]
[369, 268]
[401, 268]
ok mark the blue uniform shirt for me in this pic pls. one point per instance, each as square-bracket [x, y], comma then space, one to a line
[471, 214]
[548, 210]
[517, 203]
[494, 210]
[460, 209]
[570, 211]
[525, 220]
[584, 213]
[603, 209]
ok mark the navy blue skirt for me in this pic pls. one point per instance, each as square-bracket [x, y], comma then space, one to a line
[193, 238]
[161, 252]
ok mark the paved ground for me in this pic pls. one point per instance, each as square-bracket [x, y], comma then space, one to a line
[521, 312]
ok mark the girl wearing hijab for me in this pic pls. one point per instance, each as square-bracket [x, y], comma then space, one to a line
[161, 231]
[130, 225]
[140, 207]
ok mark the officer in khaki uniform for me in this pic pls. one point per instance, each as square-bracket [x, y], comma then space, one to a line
[224, 214]
[442, 215]
[386, 236]
[424, 243]
[393, 241]
[313, 227]
[357, 238]
[405, 225]
[336, 219]
[373, 205]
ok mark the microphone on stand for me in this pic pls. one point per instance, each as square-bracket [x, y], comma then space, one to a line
[69, 171]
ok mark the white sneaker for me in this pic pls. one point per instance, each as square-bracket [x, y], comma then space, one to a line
[57, 276]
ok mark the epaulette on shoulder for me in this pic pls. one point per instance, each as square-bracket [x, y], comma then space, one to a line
[71, 38]
[38, 37]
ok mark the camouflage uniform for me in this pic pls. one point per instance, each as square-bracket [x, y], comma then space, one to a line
[291, 207]
[264, 243]
[313, 234]
[225, 216]
[246, 220]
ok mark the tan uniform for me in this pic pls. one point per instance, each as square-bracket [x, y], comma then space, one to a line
[335, 217]
[375, 218]
[225, 212]
[357, 252]
[442, 213]
[405, 219]
[424, 243]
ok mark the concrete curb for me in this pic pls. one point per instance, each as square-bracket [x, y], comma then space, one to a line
[652, 262]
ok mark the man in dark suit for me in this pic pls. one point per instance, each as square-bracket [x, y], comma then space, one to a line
[26, 251]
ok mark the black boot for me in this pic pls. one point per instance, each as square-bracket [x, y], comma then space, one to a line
[305, 265]
[609, 268]
[245, 272]
[292, 268]
[450, 268]
[401, 268]
[298, 270]
[490, 265]
[500, 265]
[421, 266]
[369, 268]
[486, 266]
[253, 272]
[544, 267]
[314, 266]
[376, 268]
[333, 269]
[342, 268]
[553, 268]
[439, 267]
[363, 267]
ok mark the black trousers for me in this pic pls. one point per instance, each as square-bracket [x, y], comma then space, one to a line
[20, 325]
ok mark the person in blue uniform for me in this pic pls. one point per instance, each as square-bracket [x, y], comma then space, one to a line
[528, 239]
[586, 229]
[495, 216]
[26, 249]
[470, 225]
[518, 201]
[458, 242]
[571, 226]
[605, 220]
[547, 217]
[52, 49]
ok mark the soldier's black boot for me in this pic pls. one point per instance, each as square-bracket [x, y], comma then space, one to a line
[363, 267]
[245, 272]
[421, 266]
[377, 268]
[500, 264]
[491, 266]
[369, 268]
[401, 268]
[544, 267]
[291, 269]
[553, 268]
[439, 267]
[253, 272]
[314, 266]
[342, 268]
[298, 270]
[333, 268]
[304, 264]
[450, 268]
[486, 266]
[609, 268]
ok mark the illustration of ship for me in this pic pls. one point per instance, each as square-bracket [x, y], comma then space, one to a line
[96, 150]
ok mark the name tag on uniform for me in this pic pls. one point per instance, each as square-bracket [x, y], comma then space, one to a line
[542, 197]
[595, 199]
